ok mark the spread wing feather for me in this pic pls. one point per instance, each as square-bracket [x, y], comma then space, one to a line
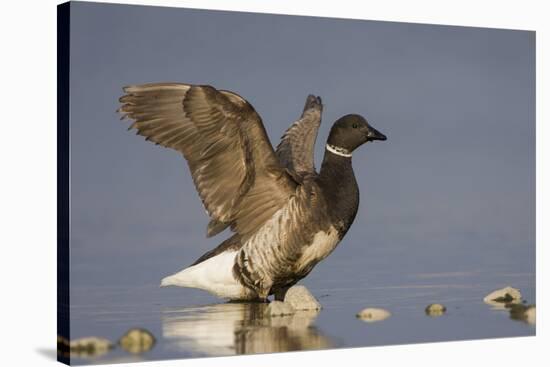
[297, 146]
[233, 165]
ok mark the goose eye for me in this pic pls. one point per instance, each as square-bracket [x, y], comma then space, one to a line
[354, 126]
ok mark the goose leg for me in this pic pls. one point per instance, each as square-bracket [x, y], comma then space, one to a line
[280, 293]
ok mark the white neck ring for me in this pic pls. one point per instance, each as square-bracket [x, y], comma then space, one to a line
[342, 152]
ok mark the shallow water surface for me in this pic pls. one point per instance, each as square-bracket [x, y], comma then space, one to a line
[190, 323]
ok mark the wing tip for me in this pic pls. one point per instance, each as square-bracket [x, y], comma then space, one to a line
[214, 227]
[313, 102]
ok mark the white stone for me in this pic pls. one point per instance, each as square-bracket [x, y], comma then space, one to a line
[501, 295]
[373, 314]
[300, 298]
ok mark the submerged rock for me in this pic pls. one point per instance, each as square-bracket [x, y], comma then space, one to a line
[523, 313]
[137, 341]
[503, 295]
[63, 347]
[90, 347]
[373, 314]
[278, 308]
[531, 315]
[300, 298]
[435, 310]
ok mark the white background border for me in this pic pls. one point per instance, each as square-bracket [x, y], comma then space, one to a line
[28, 180]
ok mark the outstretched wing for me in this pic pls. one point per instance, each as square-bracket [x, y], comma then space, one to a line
[297, 146]
[233, 165]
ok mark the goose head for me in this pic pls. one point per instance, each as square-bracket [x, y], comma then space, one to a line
[350, 132]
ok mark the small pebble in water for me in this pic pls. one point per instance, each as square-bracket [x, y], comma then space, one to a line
[503, 295]
[89, 347]
[137, 341]
[278, 308]
[373, 314]
[435, 310]
[300, 298]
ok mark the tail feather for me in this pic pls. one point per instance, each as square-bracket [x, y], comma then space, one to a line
[214, 275]
[183, 278]
[168, 281]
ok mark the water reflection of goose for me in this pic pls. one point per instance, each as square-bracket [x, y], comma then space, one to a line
[239, 328]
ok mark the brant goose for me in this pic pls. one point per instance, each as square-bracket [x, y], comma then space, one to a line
[285, 216]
